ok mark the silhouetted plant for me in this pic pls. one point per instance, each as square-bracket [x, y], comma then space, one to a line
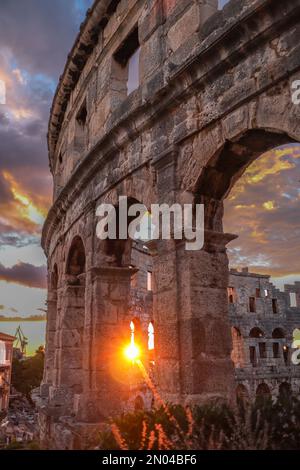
[261, 425]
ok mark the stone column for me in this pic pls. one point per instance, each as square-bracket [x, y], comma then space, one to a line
[110, 333]
[50, 337]
[193, 338]
[69, 345]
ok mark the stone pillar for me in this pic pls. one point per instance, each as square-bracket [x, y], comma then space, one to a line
[69, 346]
[50, 338]
[193, 338]
[110, 334]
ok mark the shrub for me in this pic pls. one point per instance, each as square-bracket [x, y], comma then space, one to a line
[258, 426]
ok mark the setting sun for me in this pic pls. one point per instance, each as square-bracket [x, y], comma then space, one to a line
[132, 352]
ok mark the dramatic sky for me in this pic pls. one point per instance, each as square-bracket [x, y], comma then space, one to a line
[264, 210]
[35, 38]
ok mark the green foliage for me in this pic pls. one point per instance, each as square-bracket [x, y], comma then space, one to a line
[27, 374]
[258, 426]
[33, 445]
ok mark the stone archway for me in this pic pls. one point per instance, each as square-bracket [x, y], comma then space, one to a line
[190, 302]
[70, 333]
[242, 394]
[229, 163]
[238, 350]
[285, 391]
[263, 392]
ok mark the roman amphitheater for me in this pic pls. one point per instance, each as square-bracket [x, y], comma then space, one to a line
[162, 101]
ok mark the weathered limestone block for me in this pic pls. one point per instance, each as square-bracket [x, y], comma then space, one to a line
[152, 54]
[186, 25]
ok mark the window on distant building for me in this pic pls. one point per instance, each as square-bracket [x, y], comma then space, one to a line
[258, 293]
[132, 330]
[276, 353]
[231, 295]
[262, 350]
[151, 336]
[252, 304]
[149, 281]
[266, 292]
[274, 305]
[286, 354]
[293, 299]
[252, 351]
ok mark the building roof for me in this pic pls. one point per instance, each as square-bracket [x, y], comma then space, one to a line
[5, 337]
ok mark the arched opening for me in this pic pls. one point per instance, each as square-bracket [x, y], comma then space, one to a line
[278, 333]
[151, 342]
[136, 333]
[76, 258]
[151, 336]
[214, 184]
[227, 166]
[69, 355]
[242, 394]
[284, 390]
[118, 244]
[238, 353]
[263, 391]
[256, 333]
[280, 347]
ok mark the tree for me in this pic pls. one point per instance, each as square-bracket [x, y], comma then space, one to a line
[27, 374]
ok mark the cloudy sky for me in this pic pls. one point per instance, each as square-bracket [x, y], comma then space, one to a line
[35, 38]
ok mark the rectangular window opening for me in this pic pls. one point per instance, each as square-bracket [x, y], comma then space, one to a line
[257, 293]
[128, 55]
[293, 299]
[149, 281]
[252, 351]
[231, 295]
[252, 304]
[276, 354]
[286, 354]
[262, 350]
[274, 305]
[82, 115]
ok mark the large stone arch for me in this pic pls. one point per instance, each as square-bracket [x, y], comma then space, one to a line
[76, 258]
[204, 169]
[271, 114]
[227, 165]
[70, 326]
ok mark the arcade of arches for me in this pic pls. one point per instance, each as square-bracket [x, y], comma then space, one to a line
[185, 135]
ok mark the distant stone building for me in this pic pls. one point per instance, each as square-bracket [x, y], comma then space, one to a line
[6, 354]
[163, 101]
[262, 320]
